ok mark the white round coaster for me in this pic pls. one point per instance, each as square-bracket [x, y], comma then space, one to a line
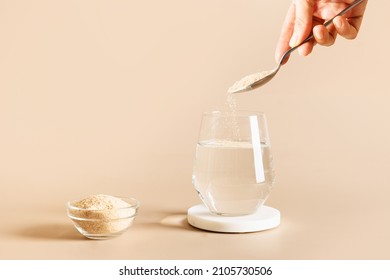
[265, 218]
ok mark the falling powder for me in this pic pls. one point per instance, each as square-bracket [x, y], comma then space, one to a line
[232, 122]
[231, 103]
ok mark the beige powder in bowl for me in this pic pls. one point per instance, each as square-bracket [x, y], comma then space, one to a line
[102, 216]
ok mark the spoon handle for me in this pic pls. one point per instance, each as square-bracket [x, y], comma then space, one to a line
[327, 23]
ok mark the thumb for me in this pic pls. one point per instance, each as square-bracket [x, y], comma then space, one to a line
[303, 21]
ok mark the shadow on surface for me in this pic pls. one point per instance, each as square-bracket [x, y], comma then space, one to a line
[52, 231]
[169, 219]
[176, 221]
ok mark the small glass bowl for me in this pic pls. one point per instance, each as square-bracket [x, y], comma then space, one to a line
[103, 224]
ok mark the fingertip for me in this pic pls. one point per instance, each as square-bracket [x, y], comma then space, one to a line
[344, 28]
[318, 33]
[284, 60]
[279, 54]
[338, 22]
[294, 40]
[305, 49]
[277, 57]
[321, 35]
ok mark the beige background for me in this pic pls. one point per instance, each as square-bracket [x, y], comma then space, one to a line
[107, 96]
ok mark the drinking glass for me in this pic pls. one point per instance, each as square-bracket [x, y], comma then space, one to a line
[233, 168]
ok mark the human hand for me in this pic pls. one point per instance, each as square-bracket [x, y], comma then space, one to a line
[305, 16]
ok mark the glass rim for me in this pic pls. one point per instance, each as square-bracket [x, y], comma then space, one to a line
[236, 113]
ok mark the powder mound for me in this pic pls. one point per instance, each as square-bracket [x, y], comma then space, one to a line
[101, 202]
[104, 207]
[102, 214]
